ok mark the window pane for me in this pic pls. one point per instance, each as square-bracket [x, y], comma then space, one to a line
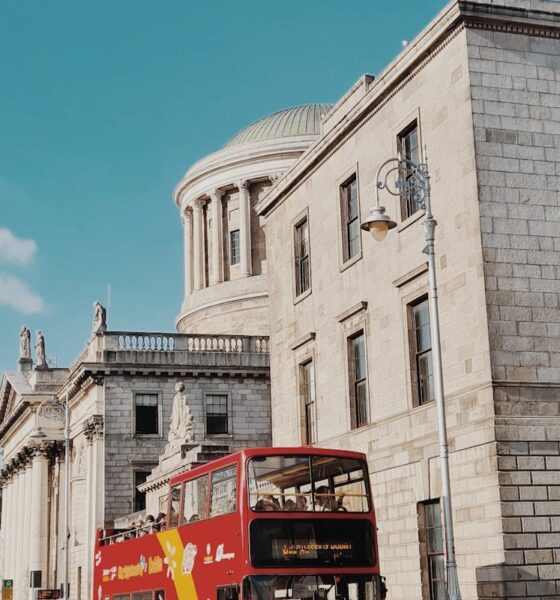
[173, 517]
[147, 414]
[302, 257]
[139, 497]
[361, 404]
[308, 401]
[217, 417]
[224, 492]
[234, 247]
[359, 357]
[194, 503]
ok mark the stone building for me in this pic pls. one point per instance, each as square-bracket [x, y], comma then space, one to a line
[120, 393]
[351, 364]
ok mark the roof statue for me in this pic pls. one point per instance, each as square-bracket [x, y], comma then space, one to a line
[99, 318]
[40, 351]
[25, 343]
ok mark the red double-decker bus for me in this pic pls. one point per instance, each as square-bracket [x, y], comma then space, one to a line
[260, 524]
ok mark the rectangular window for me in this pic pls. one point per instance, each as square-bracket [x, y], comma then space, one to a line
[303, 274]
[147, 414]
[194, 500]
[431, 550]
[223, 496]
[350, 218]
[307, 387]
[357, 370]
[408, 147]
[234, 248]
[358, 379]
[217, 417]
[421, 354]
[140, 497]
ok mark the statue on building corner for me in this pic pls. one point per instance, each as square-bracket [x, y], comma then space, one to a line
[99, 318]
[40, 351]
[25, 343]
[181, 427]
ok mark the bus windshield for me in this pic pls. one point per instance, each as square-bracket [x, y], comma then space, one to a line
[310, 587]
[308, 483]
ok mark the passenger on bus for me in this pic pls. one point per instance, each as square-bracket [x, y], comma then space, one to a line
[301, 503]
[289, 505]
[324, 499]
[194, 517]
[160, 521]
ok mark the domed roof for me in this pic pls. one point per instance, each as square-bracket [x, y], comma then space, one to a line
[299, 120]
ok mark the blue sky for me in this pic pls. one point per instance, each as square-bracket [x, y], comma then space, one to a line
[104, 105]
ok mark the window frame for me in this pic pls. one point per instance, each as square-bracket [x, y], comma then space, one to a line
[343, 187]
[308, 427]
[159, 413]
[414, 354]
[353, 382]
[135, 491]
[403, 134]
[229, 422]
[299, 292]
[426, 554]
[234, 257]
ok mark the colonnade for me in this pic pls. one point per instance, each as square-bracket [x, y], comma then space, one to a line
[195, 233]
[25, 506]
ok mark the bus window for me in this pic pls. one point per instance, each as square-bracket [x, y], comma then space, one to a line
[284, 483]
[223, 498]
[174, 506]
[122, 597]
[230, 592]
[194, 499]
[159, 595]
[142, 596]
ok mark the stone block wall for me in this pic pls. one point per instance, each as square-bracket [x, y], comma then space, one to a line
[249, 406]
[515, 88]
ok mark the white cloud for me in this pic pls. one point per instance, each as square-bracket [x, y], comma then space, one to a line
[16, 250]
[15, 294]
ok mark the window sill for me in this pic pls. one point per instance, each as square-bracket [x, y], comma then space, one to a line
[302, 296]
[411, 220]
[350, 262]
[148, 435]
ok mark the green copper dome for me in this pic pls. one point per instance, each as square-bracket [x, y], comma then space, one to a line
[299, 120]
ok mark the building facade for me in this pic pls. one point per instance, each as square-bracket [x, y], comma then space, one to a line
[477, 95]
[120, 393]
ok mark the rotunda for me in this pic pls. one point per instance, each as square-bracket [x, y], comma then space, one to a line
[224, 247]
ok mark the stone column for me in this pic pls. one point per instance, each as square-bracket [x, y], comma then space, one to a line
[198, 245]
[16, 547]
[188, 241]
[38, 516]
[28, 539]
[7, 519]
[245, 229]
[19, 574]
[216, 275]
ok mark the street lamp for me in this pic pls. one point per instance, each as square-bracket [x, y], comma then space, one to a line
[413, 181]
[60, 405]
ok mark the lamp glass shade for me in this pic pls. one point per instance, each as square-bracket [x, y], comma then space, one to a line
[379, 230]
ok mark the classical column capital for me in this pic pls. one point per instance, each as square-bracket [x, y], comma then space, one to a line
[199, 204]
[243, 184]
[216, 194]
[93, 428]
[186, 214]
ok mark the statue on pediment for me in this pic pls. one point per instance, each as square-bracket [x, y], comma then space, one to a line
[40, 351]
[25, 343]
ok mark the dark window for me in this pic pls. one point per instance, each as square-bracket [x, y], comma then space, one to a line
[408, 148]
[307, 383]
[358, 379]
[147, 414]
[311, 543]
[139, 497]
[234, 246]
[431, 550]
[351, 218]
[303, 279]
[231, 592]
[217, 414]
[421, 342]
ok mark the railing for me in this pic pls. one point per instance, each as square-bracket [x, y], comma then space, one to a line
[162, 342]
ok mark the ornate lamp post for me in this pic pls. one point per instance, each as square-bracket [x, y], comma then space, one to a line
[60, 405]
[413, 181]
